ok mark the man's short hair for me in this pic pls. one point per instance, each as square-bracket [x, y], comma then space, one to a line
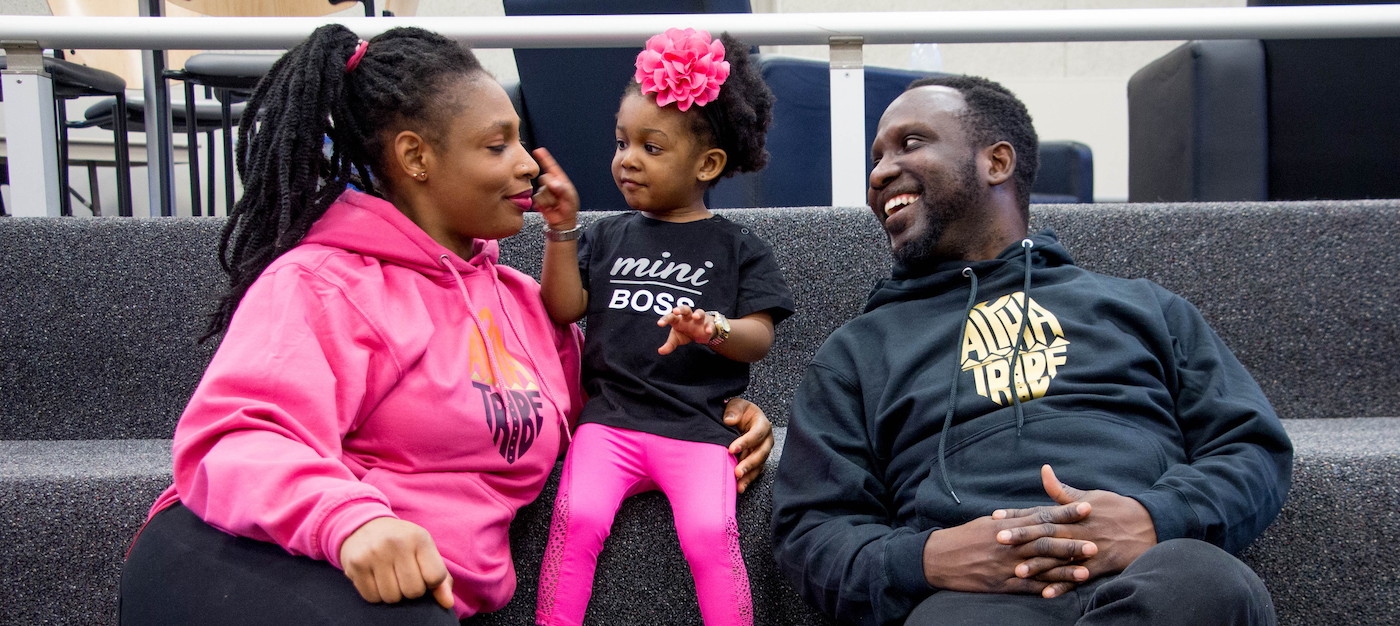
[995, 114]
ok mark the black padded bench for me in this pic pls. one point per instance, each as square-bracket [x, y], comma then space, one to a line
[97, 358]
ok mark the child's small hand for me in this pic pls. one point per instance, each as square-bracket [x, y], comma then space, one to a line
[686, 326]
[557, 199]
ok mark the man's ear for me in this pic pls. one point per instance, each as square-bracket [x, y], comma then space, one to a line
[1001, 162]
[412, 153]
[710, 164]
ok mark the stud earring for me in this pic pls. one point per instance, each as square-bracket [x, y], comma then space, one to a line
[421, 176]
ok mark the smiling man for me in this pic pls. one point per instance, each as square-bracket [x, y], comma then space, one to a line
[1005, 438]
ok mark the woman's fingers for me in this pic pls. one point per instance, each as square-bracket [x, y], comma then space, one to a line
[434, 572]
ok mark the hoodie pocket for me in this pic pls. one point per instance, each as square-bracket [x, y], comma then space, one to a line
[994, 467]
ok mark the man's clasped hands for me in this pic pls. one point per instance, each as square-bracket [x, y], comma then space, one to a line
[1046, 550]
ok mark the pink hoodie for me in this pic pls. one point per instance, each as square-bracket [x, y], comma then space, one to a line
[370, 372]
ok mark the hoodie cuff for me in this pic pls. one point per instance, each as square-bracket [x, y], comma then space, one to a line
[344, 521]
[904, 563]
[1172, 515]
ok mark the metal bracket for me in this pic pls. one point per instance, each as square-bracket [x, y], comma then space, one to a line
[24, 57]
[846, 52]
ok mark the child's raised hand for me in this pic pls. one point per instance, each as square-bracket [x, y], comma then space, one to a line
[557, 199]
[686, 326]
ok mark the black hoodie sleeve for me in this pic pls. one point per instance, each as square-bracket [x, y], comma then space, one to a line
[1240, 457]
[832, 532]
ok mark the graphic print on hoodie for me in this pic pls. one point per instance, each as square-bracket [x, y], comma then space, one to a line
[512, 408]
[987, 348]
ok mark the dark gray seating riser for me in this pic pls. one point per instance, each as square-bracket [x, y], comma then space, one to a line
[98, 317]
[1325, 559]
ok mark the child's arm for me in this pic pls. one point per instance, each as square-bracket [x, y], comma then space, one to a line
[560, 285]
[750, 336]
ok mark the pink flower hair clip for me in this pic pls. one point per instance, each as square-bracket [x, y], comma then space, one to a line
[682, 66]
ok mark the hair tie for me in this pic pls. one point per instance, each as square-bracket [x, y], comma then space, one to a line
[682, 66]
[355, 58]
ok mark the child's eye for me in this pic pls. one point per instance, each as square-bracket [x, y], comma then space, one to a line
[621, 145]
[653, 148]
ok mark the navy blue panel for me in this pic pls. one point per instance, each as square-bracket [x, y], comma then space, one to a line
[799, 172]
[571, 95]
[1066, 170]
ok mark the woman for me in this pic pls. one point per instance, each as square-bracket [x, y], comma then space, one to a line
[385, 396]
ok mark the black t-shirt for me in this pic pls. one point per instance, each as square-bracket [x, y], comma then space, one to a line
[636, 269]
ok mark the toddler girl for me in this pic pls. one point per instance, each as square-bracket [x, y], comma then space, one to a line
[679, 302]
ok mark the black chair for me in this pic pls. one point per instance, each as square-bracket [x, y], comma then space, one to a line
[1066, 174]
[71, 80]
[231, 79]
[1293, 119]
[570, 96]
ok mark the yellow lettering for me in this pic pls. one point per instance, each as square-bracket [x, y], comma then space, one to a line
[998, 382]
[973, 345]
[1041, 318]
[1055, 356]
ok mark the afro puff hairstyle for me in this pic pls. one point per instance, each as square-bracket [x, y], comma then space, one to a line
[737, 121]
[995, 114]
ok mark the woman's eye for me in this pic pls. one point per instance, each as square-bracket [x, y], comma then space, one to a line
[497, 149]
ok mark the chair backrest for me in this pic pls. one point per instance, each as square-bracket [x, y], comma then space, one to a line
[571, 96]
[799, 170]
[1066, 173]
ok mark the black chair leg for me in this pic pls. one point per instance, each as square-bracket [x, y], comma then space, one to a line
[192, 141]
[60, 110]
[92, 189]
[123, 149]
[227, 110]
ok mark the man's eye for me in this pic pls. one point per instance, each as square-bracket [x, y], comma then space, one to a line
[910, 142]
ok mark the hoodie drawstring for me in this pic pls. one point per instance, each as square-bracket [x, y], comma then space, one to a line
[1026, 245]
[563, 419]
[486, 342]
[953, 394]
[1015, 361]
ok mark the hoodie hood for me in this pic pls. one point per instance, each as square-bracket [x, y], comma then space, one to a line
[371, 226]
[908, 283]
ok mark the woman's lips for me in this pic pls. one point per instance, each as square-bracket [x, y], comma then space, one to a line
[524, 200]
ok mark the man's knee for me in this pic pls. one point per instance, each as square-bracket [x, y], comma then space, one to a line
[1186, 577]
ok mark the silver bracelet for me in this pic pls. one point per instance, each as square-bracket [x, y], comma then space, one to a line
[562, 235]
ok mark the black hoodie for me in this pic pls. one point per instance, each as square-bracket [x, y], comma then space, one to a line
[1130, 391]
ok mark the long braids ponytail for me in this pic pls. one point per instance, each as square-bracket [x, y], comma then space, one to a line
[290, 177]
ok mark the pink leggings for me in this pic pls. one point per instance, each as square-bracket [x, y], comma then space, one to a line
[606, 465]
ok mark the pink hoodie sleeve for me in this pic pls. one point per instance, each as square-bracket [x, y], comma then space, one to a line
[258, 450]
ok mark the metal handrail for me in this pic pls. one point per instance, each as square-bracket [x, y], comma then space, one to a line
[846, 33]
[590, 31]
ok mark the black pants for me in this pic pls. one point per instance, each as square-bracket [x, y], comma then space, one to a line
[183, 571]
[1182, 581]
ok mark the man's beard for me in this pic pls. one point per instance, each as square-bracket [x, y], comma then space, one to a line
[955, 197]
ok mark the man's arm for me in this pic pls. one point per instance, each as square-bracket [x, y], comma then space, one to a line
[833, 521]
[1231, 489]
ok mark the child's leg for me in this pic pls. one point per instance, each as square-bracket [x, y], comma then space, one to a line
[603, 468]
[698, 479]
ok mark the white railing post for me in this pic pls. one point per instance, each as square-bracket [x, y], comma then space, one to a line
[31, 139]
[847, 122]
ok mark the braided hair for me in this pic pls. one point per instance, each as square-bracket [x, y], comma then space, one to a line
[737, 120]
[311, 128]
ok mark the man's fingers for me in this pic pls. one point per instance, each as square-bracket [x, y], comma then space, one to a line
[1059, 492]
[750, 467]
[1062, 514]
[1058, 548]
[1063, 573]
[1035, 566]
[1057, 589]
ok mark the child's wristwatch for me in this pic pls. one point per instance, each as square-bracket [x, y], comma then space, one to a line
[721, 328]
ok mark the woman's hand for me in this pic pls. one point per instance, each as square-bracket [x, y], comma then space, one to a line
[557, 199]
[753, 446]
[389, 559]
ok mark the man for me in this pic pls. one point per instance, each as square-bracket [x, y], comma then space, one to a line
[921, 477]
